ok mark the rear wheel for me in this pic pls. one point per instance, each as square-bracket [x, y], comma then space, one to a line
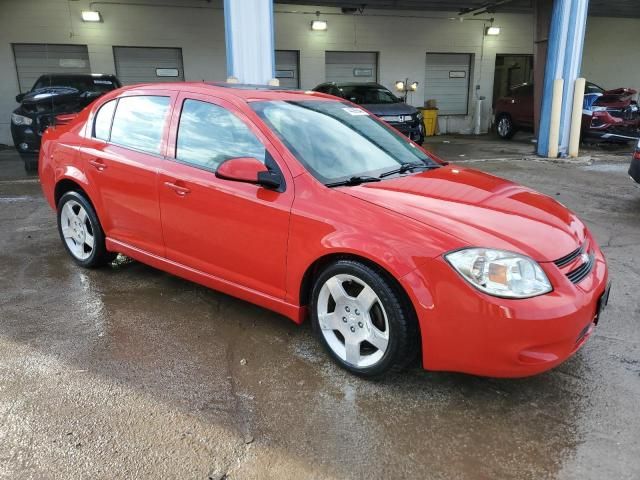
[363, 322]
[505, 127]
[81, 232]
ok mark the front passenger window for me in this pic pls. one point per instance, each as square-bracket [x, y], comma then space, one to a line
[209, 134]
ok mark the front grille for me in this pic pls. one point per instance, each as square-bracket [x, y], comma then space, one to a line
[577, 275]
[567, 259]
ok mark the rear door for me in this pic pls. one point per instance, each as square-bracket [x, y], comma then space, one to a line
[232, 230]
[121, 159]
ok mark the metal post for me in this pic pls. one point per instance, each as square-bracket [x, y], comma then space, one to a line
[250, 41]
[571, 68]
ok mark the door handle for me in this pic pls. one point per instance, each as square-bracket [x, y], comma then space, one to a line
[179, 189]
[99, 164]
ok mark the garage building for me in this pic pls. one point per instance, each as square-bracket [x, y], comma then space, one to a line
[449, 55]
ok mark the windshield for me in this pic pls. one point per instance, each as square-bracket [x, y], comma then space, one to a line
[336, 141]
[367, 94]
[82, 84]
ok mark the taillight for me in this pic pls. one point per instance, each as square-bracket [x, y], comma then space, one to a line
[636, 155]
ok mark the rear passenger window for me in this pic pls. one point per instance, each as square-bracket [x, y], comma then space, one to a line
[208, 135]
[102, 125]
[139, 122]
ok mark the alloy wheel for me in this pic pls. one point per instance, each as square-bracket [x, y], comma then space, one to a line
[77, 231]
[353, 321]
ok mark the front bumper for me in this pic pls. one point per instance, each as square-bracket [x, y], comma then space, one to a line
[413, 131]
[25, 139]
[465, 330]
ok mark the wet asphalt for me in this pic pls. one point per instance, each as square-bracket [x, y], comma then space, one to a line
[128, 372]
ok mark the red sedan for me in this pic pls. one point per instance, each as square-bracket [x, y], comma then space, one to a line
[310, 206]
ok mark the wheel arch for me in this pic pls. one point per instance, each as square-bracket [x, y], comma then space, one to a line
[313, 270]
[306, 285]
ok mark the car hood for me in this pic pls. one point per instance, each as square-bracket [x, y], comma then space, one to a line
[618, 98]
[54, 99]
[380, 109]
[480, 210]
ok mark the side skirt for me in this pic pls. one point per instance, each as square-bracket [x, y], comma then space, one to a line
[293, 312]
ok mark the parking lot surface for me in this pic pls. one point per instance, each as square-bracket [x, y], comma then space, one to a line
[128, 372]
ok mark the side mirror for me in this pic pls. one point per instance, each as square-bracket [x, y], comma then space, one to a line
[19, 97]
[248, 170]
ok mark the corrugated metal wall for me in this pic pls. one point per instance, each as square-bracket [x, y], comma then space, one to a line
[287, 62]
[35, 59]
[447, 81]
[351, 66]
[147, 64]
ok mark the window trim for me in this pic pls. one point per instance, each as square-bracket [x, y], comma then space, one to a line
[269, 160]
[167, 123]
[95, 120]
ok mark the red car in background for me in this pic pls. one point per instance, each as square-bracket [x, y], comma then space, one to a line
[606, 115]
[306, 204]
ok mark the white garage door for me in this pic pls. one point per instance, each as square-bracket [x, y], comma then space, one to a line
[35, 59]
[447, 81]
[148, 64]
[351, 66]
[287, 68]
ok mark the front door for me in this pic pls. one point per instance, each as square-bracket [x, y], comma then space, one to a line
[232, 230]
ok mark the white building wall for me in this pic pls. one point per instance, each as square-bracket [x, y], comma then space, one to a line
[402, 42]
[612, 52]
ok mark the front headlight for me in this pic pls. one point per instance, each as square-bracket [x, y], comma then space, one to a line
[500, 273]
[20, 119]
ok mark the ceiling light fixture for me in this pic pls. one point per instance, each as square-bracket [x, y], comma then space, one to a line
[91, 16]
[318, 25]
[492, 31]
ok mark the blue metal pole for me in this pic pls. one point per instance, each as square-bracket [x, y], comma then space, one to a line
[249, 40]
[556, 49]
[571, 67]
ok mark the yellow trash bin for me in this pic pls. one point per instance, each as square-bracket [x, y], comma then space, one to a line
[430, 120]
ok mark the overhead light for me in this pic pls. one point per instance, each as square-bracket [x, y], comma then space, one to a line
[414, 86]
[317, 24]
[400, 86]
[493, 31]
[91, 16]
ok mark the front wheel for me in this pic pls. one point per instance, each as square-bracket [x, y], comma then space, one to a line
[81, 232]
[362, 320]
[505, 127]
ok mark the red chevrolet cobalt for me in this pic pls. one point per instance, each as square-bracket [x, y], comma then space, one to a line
[308, 205]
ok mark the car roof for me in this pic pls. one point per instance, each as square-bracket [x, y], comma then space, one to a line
[355, 84]
[243, 92]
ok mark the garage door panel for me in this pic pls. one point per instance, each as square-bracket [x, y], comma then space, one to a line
[33, 60]
[343, 66]
[141, 64]
[447, 79]
[287, 73]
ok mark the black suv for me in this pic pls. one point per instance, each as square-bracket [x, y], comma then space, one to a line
[382, 103]
[51, 95]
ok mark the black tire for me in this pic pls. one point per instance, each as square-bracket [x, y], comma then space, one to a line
[31, 165]
[505, 127]
[403, 333]
[99, 255]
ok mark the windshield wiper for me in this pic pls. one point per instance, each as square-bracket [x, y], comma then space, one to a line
[407, 167]
[353, 181]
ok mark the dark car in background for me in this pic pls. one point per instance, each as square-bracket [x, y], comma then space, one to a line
[634, 168]
[52, 95]
[606, 114]
[382, 103]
